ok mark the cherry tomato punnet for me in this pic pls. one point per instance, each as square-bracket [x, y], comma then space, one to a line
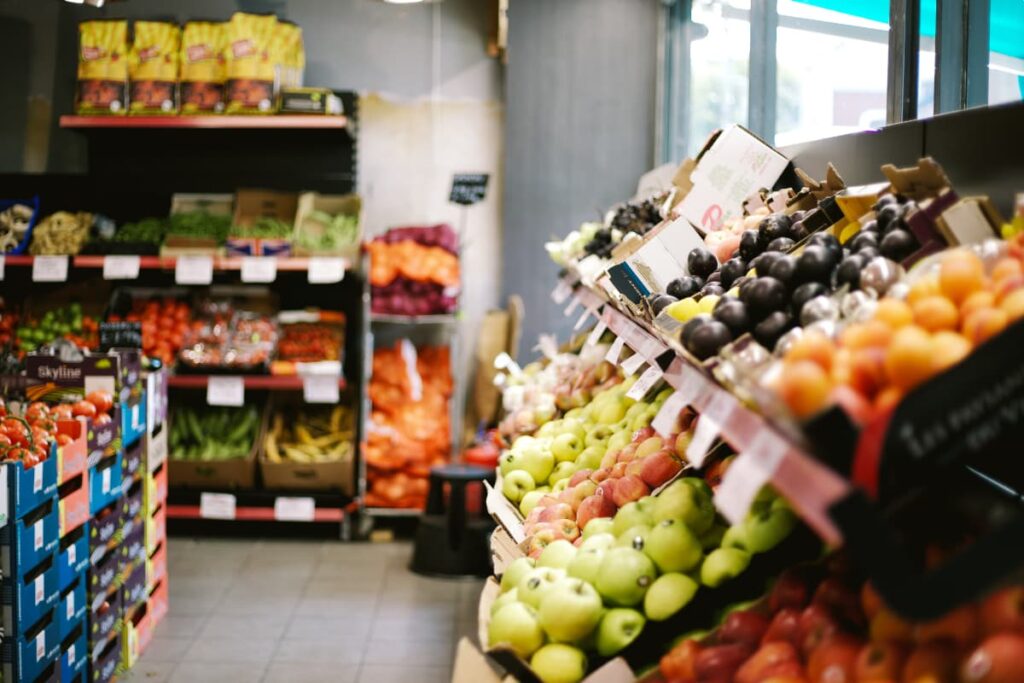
[84, 408]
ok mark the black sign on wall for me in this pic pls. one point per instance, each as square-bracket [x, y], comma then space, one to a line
[120, 335]
[468, 188]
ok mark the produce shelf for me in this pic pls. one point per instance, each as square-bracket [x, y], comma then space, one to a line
[256, 514]
[291, 122]
[220, 263]
[268, 382]
[393, 512]
[391, 319]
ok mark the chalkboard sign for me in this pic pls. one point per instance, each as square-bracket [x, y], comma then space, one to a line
[120, 336]
[468, 188]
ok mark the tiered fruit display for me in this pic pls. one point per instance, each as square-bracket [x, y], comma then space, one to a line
[629, 221]
[27, 437]
[213, 433]
[165, 324]
[67, 322]
[414, 271]
[310, 434]
[409, 434]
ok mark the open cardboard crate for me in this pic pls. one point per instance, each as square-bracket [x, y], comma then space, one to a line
[231, 473]
[348, 204]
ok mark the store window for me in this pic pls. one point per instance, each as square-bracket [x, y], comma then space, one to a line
[1006, 51]
[926, 61]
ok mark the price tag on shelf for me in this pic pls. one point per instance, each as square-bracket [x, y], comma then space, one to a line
[39, 588]
[548, 345]
[720, 407]
[121, 267]
[193, 270]
[595, 334]
[643, 386]
[105, 484]
[703, 436]
[615, 351]
[50, 269]
[754, 468]
[288, 509]
[562, 291]
[216, 505]
[326, 270]
[633, 363]
[573, 305]
[37, 535]
[666, 422]
[581, 321]
[225, 391]
[41, 645]
[37, 479]
[320, 388]
[69, 605]
[3, 263]
[259, 269]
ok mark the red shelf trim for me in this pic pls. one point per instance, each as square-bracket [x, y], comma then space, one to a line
[293, 382]
[253, 514]
[215, 122]
[228, 263]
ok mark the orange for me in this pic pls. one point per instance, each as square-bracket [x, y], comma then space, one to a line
[935, 313]
[982, 299]
[960, 274]
[867, 370]
[1013, 305]
[1005, 267]
[908, 360]
[813, 346]
[948, 349]
[863, 335]
[887, 398]
[983, 324]
[894, 313]
[804, 387]
[925, 287]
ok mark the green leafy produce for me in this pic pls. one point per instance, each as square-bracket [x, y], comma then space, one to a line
[324, 232]
[200, 224]
[147, 230]
[263, 228]
[213, 433]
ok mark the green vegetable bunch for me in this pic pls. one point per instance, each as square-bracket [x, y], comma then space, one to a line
[213, 433]
[200, 224]
[147, 230]
[263, 228]
[324, 232]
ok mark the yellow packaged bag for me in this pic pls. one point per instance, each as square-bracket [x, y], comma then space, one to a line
[153, 68]
[102, 67]
[290, 53]
[250, 64]
[202, 67]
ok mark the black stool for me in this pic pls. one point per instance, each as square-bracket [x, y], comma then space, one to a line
[451, 539]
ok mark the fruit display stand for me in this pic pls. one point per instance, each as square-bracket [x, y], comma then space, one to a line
[606, 555]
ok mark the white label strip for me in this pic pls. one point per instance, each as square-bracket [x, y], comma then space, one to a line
[37, 479]
[561, 293]
[39, 588]
[633, 363]
[582, 320]
[37, 535]
[50, 269]
[326, 270]
[121, 267]
[41, 645]
[259, 269]
[225, 391]
[70, 606]
[216, 505]
[720, 406]
[739, 487]
[320, 389]
[548, 345]
[300, 509]
[615, 351]
[3, 263]
[703, 436]
[105, 483]
[573, 305]
[643, 386]
[595, 334]
[193, 270]
[666, 422]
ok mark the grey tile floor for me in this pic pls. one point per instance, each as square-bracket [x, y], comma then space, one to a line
[267, 611]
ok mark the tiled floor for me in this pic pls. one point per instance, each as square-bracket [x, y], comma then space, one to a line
[305, 612]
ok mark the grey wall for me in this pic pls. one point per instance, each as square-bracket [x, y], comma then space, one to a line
[580, 113]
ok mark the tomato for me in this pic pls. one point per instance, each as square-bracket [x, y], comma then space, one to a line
[18, 454]
[102, 419]
[64, 439]
[83, 408]
[48, 426]
[5, 441]
[3, 408]
[61, 411]
[16, 430]
[40, 436]
[41, 452]
[29, 459]
[102, 400]
[37, 411]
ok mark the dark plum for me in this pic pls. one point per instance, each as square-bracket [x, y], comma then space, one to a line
[887, 214]
[768, 331]
[730, 270]
[660, 301]
[712, 288]
[684, 287]
[815, 264]
[749, 246]
[714, 277]
[781, 244]
[776, 227]
[783, 269]
[701, 262]
[826, 240]
[764, 296]
[799, 231]
[898, 244]
[691, 325]
[864, 238]
[869, 253]
[708, 339]
[805, 293]
[884, 200]
[763, 263]
[848, 272]
[733, 313]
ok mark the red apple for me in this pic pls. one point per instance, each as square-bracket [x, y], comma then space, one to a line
[643, 434]
[716, 470]
[959, 626]
[791, 590]
[719, 662]
[999, 659]
[609, 459]
[629, 489]
[607, 488]
[557, 511]
[770, 660]
[567, 528]
[931, 663]
[841, 601]
[743, 626]
[579, 476]
[834, 661]
[784, 627]
[594, 506]
[880, 661]
[677, 665]
[635, 468]
[659, 467]
[885, 626]
[619, 470]
[816, 626]
[1003, 611]
[627, 454]
[600, 475]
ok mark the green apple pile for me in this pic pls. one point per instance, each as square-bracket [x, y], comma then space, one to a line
[644, 564]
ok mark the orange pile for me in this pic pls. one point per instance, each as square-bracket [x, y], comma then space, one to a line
[873, 364]
[413, 261]
[407, 436]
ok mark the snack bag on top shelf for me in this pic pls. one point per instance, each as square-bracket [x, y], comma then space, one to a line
[251, 63]
[202, 67]
[153, 68]
[102, 66]
[290, 54]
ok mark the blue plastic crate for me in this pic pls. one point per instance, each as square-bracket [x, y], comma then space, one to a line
[73, 556]
[25, 542]
[74, 654]
[105, 480]
[26, 657]
[26, 598]
[72, 606]
[26, 239]
[29, 488]
[133, 420]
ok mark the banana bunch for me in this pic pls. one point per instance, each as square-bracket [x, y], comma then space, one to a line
[311, 435]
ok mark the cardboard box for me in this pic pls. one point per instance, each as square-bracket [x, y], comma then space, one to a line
[215, 474]
[26, 657]
[72, 606]
[106, 657]
[659, 259]
[28, 540]
[156, 566]
[155, 451]
[27, 596]
[969, 221]
[106, 478]
[156, 530]
[73, 503]
[72, 458]
[322, 101]
[251, 205]
[28, 489]
[74, 654]
[104, 580]
[73, 556]
[309, 476]
[155, 491]
[349, 205]
[103, 532]
[733, 164]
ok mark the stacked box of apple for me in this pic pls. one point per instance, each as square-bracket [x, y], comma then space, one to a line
[28, 434]
[823, 623]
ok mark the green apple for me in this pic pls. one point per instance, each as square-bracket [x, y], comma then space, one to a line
[598, 435]
[515, 571]
[523, 442]
[766, 529]
[673, 547]
[563, 470]
[538, 461]
[600, 540]
[683, 310]
[590, 458]
[576, 427]
[647, 446]
[664, 395]
[560, 485]
[699, 484]
[712, 538]
[516, 627]
[624, 576]
[536, 583]
[723, 564]
[566, 446]
[574, 414]
[517, 484]
[557, 554]
[642, 420]
[629, 515]
[634, 537]
[682, 442]
[598, 525]
[586, 564]
[646, 506]
[618, 628]
[686, 502]
[530, 500]
[668, 594]
[619, 439]
[510, 460]
[549, 430]
[570, 611]
[504, 599]
[611, 412]
[559, 663]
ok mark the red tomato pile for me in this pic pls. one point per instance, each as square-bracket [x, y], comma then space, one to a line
[28, 438]
[164, 324]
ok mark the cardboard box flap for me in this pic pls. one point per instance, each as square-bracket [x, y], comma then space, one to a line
[471, 666]
[499, 507]
[923, 180]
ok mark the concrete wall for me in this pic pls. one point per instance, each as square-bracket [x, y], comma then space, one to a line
[580, 116]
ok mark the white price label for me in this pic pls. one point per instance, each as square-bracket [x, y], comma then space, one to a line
[720, 407]
[581, 321]
[37, 535]
[287, 509]
[71, 653]
[70, 605]
[216, 506]
[562, 291]
[633, 363]
[39, 588]
[50, 269]
[259, 269]
[3, 263]
[193, 270]
[595, 334]
[72, 555]
[745, 477]
[643, 386]
[573, 305]
[37, 479]
[326, 270]
[225, 391]
[105, 484]
[41, 645]
[121, 267]
[320, 388]
[666, 422]
[703, 436]
[615, 351]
